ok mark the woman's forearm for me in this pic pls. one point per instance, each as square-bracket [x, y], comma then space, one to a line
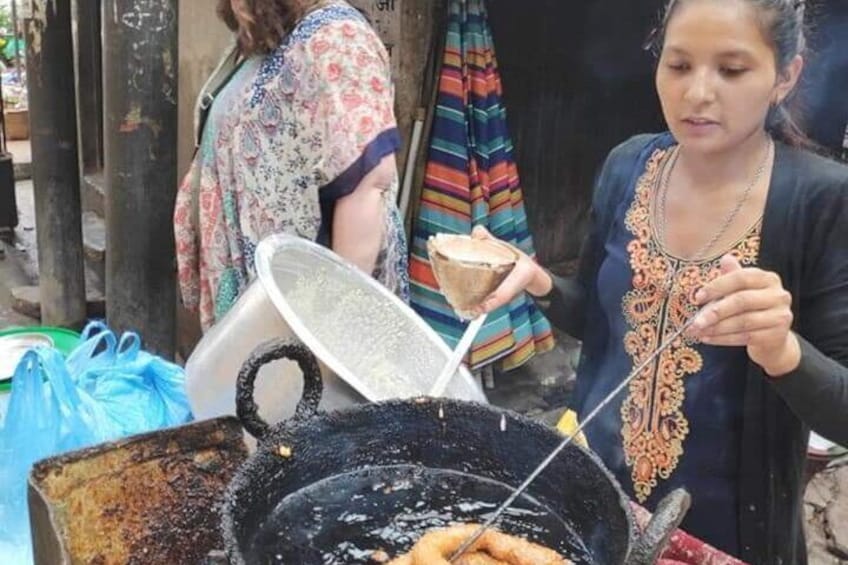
[565, 305]
[817, 391]
[359, 217]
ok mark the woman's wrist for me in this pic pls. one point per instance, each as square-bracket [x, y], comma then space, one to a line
[542, 283]
[786, 360]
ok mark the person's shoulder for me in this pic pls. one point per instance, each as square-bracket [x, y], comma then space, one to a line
[821, 176]
[336, 27]
[340, 19]
[622, 162]
[637, 147]
[634, 151]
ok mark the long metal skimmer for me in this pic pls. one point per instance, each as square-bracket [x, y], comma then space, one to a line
[544, 465]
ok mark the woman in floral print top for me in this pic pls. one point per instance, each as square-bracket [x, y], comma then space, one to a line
[300, 140]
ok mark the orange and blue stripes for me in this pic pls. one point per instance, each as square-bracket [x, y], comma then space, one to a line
[471, 179]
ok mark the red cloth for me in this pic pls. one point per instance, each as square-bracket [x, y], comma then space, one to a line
[684, 549]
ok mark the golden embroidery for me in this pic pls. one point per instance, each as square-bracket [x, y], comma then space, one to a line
[653, 424]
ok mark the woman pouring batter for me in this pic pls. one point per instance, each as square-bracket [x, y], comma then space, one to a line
[729, 219]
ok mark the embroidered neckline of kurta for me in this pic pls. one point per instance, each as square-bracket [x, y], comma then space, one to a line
[654, 426]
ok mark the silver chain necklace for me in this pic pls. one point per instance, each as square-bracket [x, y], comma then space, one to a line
[660, 213]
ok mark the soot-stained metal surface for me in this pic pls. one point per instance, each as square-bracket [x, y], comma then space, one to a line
[314, 449]
[153, 498]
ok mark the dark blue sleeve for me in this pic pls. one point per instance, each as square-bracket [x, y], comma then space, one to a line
[380, 147]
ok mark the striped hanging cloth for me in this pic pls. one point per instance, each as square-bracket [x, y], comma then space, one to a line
[472, 179]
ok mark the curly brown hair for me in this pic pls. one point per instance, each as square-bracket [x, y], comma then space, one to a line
[261, 24]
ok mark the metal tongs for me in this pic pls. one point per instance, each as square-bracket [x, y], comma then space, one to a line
[520, 490]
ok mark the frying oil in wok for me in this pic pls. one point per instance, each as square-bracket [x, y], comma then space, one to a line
[346, 518]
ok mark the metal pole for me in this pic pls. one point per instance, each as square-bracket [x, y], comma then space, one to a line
[140, 146]
[15, 36]
[55, 174]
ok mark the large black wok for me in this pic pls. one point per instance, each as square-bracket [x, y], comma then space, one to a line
[330, 488]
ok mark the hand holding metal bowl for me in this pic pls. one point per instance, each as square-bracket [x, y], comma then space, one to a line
[526, 275]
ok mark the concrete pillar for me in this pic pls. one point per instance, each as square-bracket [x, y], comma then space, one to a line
[140, 133]
[56, 178]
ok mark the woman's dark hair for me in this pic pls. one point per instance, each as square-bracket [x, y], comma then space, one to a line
[783, 25]
[264, 22]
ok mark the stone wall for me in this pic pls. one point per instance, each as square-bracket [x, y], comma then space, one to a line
[826, 516]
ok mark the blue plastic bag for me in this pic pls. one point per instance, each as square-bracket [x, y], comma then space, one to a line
[47, 415]
[139, 391]
[106, 389]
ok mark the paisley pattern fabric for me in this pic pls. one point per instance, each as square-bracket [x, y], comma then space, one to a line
[291, 132]
[660, 302]
[679, 424]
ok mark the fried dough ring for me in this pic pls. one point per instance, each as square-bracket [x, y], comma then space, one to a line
[493, 548]
[467, 559]
[479, 559]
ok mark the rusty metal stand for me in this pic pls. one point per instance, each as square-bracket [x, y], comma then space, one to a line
[140, 146]
[56, 176]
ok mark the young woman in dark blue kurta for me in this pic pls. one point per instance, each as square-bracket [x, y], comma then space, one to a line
[669, 432]
[728, 219]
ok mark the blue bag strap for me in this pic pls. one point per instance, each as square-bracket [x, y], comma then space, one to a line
[93, 328]
[98, 348]
[27, 389]
[38, 367]
[128, 348]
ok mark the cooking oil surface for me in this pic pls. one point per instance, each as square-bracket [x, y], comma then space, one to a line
[345, 519]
